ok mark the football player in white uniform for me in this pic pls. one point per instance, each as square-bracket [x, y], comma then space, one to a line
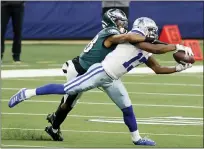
[107, 75]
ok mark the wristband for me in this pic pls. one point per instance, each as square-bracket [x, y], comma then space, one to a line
[159, 42]
[149, 39]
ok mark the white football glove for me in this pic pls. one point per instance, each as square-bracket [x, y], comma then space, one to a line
[188, 51]
[180, 48]
[181, 67]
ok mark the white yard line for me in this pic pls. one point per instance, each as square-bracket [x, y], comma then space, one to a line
[145, 105]
[164, 84]
[130, 83]
[58, 72]
[40, 114]
[95, 116]
[152, 122]
[107, 103]
[55, 65]
[138, 93]
[14, 65]
[197, 75]
[105, 132]
[172, 121]
[18, 145]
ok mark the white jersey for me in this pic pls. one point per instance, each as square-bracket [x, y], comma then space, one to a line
[121, 60]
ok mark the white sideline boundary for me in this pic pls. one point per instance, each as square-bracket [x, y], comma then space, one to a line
[28, 146]
[104, 132]
[58, 72]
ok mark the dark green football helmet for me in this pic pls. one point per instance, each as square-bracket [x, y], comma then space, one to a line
[115, 18]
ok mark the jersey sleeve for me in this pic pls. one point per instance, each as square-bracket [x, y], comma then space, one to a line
[149, 54]
[137, 31]
[140, 32]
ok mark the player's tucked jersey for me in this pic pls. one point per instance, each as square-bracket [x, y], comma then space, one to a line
[95, 51]
[123, 59]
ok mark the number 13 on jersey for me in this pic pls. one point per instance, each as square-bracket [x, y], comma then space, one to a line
[129, 65]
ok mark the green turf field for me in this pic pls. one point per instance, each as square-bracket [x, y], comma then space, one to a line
[169, 108]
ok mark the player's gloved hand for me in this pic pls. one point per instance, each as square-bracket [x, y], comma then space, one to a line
[181, 67]
[180, 48]
[189, 51]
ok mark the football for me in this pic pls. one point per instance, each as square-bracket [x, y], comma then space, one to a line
[180, 57]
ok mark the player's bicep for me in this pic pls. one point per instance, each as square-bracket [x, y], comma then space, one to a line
[130, 37]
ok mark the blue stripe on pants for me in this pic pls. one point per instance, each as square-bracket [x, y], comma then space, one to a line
[78, 78]
[99, 71]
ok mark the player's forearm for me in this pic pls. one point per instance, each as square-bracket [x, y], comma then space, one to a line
[156, 48]
[135, 38]
[161, 49]
[165, 70]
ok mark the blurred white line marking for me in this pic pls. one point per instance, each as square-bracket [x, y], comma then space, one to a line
[108, 132]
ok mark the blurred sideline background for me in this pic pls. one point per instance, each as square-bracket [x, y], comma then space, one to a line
[71, 25]
[82, 20]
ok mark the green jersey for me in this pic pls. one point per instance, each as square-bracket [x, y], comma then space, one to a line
[95, 51]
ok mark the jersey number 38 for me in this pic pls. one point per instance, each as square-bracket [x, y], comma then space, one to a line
[91, 44]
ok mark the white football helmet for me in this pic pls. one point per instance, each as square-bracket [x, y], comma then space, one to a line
[147, 26]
